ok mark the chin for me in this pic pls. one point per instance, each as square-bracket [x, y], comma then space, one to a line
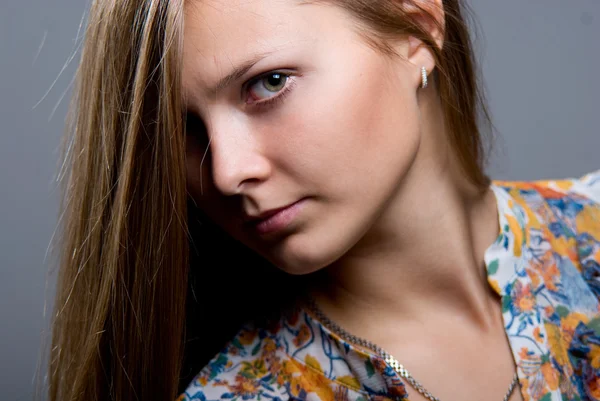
[304, 253]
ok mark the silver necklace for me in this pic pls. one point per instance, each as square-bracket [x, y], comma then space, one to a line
[389, 359]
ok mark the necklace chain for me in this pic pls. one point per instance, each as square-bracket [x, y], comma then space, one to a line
[389, 359]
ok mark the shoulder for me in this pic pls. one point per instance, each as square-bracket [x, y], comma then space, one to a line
[561, 217]
[567, 207]
[246, 369]
[555, 288]
[587, 185]
[575, 201]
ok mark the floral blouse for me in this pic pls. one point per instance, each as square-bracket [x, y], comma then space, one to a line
[545, 265]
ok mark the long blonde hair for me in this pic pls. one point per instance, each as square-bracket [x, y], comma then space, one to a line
[119, 316]
[125, 284]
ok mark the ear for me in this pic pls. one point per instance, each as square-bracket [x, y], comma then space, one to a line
[430, 15]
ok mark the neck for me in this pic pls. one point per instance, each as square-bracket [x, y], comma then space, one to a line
[423, 259]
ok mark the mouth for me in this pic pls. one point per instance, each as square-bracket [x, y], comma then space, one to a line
[274, 220]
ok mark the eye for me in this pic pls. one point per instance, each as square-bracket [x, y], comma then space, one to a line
[268, 86]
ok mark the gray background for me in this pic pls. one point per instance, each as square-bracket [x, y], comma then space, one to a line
[540, 59]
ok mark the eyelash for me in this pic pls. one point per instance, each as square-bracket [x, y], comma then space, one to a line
[274, 100]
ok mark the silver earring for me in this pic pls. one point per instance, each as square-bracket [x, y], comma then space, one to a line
[424, 77]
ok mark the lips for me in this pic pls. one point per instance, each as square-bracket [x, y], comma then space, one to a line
[264, 215]
[274, 220]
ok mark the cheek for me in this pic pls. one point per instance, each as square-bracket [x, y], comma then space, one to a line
[355, 128]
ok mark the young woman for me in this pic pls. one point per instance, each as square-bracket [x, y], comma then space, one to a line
[286, 200]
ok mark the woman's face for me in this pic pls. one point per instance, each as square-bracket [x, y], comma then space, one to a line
[306, 145]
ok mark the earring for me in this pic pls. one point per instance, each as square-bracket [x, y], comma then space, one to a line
[424, 77]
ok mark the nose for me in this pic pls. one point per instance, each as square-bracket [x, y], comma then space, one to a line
[237, 158]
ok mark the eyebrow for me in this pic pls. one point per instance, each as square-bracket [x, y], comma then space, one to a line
[237, 72]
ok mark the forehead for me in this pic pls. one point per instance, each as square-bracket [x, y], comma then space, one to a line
[210, 24]
[220, 34]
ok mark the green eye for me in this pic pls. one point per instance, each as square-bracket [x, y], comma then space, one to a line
[274, 82]
[269, 89]
[269, 86]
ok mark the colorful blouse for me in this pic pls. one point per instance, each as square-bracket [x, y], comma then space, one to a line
[545, 265]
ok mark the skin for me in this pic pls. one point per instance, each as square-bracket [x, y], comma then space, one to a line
[387, 219]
